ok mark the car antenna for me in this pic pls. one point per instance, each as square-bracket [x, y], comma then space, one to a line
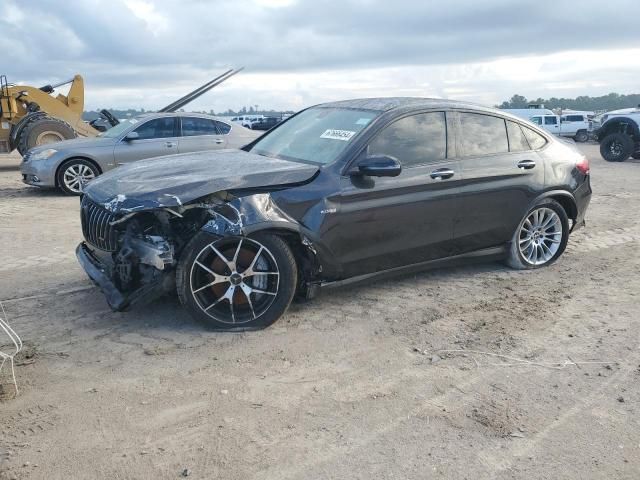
[189, 97]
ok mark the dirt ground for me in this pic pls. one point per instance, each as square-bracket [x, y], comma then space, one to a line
[353, 385]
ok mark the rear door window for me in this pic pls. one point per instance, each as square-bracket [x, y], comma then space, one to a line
[550, 120]
[193, 126]
[158, 128]
[535, 139]
[483, 135]
[413, 140]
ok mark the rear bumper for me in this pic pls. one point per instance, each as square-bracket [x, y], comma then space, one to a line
[582, 196]
[118, 300]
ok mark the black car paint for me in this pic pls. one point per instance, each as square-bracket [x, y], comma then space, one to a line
[358, 225]
[176, 180]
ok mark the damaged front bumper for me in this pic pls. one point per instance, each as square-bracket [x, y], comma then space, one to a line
[101, 274]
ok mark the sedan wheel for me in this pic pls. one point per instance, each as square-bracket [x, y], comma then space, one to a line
[237, 283]
[74, 174]
[541, 236]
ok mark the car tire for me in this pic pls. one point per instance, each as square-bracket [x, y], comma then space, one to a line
[74, 173]
[636, 156]
[42, 131]
[581, 136]
[616, 147]
[541, 236]
[236, 283]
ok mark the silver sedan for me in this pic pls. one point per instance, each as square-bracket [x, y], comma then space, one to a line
[71, 163]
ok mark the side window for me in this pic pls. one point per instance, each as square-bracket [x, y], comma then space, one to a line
[536, 120]
[158, 128]
[550, 120]
[483, 134]
[517, 140]
[535, 139]
[413, 140]
[222, 127]
[192, 126]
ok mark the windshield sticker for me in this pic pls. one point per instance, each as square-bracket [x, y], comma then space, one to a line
[344, 135]
[363, 121]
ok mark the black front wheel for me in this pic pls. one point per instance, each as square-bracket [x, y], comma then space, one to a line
[236, 283]
[616, 147]
[582, 136]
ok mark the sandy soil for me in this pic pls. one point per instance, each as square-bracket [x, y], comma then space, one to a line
[351, 385]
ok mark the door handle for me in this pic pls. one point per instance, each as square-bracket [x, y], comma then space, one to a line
[218, 141]
[170, 144]
[526, 164]
[442, 173]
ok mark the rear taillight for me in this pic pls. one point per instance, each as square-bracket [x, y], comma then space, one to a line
[583, 165]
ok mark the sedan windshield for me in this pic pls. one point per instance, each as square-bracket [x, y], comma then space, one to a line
[119, 129]
[317, 135]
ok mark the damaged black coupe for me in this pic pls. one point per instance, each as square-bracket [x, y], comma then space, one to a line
[339, 192]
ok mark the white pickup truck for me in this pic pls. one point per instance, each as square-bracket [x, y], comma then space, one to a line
[574, 125]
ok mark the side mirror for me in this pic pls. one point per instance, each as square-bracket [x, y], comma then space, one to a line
[378, 166]
[132, 136]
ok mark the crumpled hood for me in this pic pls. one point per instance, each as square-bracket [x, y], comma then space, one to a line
[175, 180]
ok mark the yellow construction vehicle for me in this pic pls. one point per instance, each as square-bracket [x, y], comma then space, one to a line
[31, 116]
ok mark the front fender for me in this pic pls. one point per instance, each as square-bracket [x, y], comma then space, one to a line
[259, 212]
[618, 124]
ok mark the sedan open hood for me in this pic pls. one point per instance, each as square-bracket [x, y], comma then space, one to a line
[175, 180]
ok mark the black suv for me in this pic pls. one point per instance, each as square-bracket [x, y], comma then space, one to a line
[266, 123]
[339, 192]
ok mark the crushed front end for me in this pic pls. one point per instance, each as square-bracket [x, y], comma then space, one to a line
[132, 255]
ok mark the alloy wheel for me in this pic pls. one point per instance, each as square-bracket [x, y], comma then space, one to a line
[76, 175]
[234, 280]
[540, 236]
[616, 148]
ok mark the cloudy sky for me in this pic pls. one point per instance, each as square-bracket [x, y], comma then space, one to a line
[146, 53]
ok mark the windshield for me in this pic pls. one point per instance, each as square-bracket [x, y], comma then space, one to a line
[317, 135]
[119, 129]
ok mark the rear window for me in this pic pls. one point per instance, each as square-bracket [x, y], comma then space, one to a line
[535, 139]
[483, 134]
[574, 118]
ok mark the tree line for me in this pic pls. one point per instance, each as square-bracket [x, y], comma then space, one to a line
[612, 101]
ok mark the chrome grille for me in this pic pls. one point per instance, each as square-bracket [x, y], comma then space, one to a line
[96, 226]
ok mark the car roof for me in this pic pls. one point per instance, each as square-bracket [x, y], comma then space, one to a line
[388, 104]
[385, 104]
[145, 116]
